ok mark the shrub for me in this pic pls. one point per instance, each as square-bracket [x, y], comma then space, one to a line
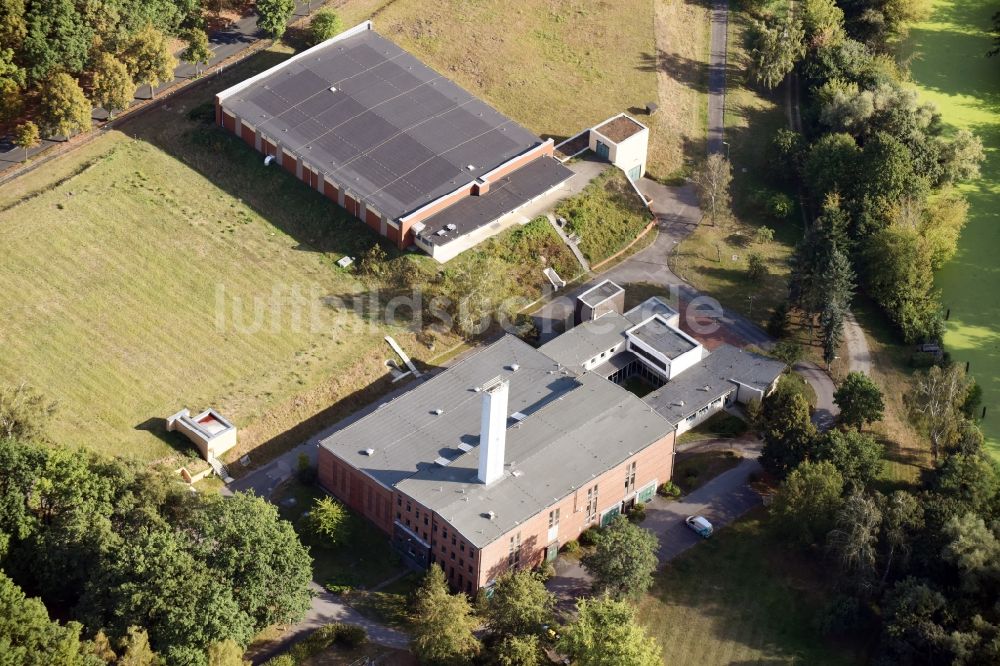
[590, 536]
[281, 660]
[306, 472]
[778, 322]
[547, 570]
[669, 489]
[337, 588]
[763, 235]
[324, 25]
[351, 635]
[756, 266]
[638, 513]
[780, 206]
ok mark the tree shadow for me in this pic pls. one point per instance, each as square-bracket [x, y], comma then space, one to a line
[690, 73]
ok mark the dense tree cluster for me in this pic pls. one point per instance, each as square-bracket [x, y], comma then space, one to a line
[921, 563]
[126, 551]
[876, 163]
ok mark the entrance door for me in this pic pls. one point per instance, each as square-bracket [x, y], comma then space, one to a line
[633, 173]
[552, 552]
[603, 151]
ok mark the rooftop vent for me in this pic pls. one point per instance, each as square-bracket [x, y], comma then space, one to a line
[333, 88]
[517, 472]
[465, 447]
[450, 227]
[514, 367]
[470, 167]
[442, 461]
[518, 416]
[491, 515]
[369, 452]
[438, 412]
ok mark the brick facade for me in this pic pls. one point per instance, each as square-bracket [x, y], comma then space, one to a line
[427, 538]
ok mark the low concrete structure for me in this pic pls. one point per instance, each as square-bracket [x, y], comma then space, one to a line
[209, 431]
[623, 141]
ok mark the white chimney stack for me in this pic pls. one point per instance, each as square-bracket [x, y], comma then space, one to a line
[493, 430]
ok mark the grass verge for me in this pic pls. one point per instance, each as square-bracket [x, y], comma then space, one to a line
[741, 597]
[720, 425]
[693, 470]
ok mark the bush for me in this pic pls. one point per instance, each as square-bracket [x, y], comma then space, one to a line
[756, 266]
[778, 322]
[351, 635]
[203, 113]
[547, 570]
[306, 472]
[669, 489]
[638, 513]
[324, 25]
[337, 588]
[780, 206]
[571, 547]
[281, 660]
[590, 536]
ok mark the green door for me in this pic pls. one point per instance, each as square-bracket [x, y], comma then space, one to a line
[633, 173]
[603, 151]
[610, 515]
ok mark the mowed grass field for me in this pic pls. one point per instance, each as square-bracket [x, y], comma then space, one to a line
[951, 68]
[143, 275]
[740, 598]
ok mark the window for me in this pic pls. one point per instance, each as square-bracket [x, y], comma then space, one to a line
[408, 507]
[461, 546]
[444, 532]
[426, 521]
[553, 518]
[417, 514]
[514, 554]
[407, 522]
[630, 478]
[399, 516]
[452, 556]
[399, 501]
[591, 503]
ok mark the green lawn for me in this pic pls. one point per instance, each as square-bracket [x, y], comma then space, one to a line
[718, 425]
[741, 598]
[693, 470]
[953, 71]
[365, 559]
[607, 215]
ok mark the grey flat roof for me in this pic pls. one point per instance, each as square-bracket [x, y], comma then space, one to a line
[578, 425]
[663, 338]
[600, 293]
[712, 377]
[505, 194]
[392, 130]
[654, 305]
[582, 343]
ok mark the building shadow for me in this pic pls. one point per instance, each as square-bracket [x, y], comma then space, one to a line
[157, 426]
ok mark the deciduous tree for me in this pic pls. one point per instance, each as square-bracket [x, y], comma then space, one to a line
[64, 109]
[605, 633]
[113, 88]
[808, 501]
[712, 181]
[936, 402]
[859, 399]
[520, 604]
[273, 15]
[519, 651]
[149, 59]
[854, 539]
[444, 623]
[58, 39]
[24, 413]
[774, 50]
[787, 430]
[858, 456]
[327, 520]
[29, 638]
[324, 25]
[26, 136]
[624, 561]
[197, 51]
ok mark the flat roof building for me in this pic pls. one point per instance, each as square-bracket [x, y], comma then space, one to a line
[513, 451]
[389, 139]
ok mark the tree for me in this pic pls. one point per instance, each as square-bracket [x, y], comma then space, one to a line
[995, 31]
[902, 518]
[859, 399]
[788, 352]
[11, 103]
[854, 540]
[324, 25]
[775, 50]
[226, 653]
[444, 623]
[787, 431]
[857, 456]
[832, 325]
[823, 22]
[936, 402]
[756, 267]
[972, 481]
[148, 58]
[914, 615]
[712, 181]
[808, 501]
[197, 51]
[520, 604]
[974, 550]
[273, 15]
[26, 136]
[327, 519]
[64, 108]
[24, 413]
[136, 650]
[831, 165]
[605, 633]
[101, 648]
[113, 88]
[763, 235]
[836, 299]
[58, 39]
[624, 560]
[961, 157]
[519, 651]
[29, 638]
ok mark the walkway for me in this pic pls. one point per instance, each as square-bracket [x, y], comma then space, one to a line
[238, 37]
[722, 500]
[717, 75]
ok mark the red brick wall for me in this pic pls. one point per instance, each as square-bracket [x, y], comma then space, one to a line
[357, 490]
[374, 221]
[351, 205]
[653, 462]
[228, 121]
[268, 148]
[218, 111]
[392, 233]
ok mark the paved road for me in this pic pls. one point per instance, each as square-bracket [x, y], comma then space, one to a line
[717, 74]
[224, 44]
[722, 500]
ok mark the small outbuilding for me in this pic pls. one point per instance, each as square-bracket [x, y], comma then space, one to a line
[209, 431]
[623, 141]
